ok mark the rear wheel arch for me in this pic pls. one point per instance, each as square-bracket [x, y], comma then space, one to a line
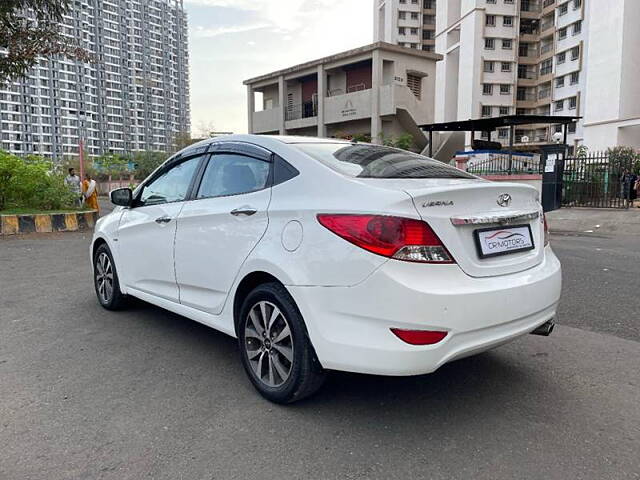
[246, 285]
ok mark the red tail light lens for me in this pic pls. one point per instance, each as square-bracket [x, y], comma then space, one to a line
[400, 238]
[419, 337]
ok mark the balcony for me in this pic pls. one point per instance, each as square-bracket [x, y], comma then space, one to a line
[266, 120]
[530, 6]
[302, 110]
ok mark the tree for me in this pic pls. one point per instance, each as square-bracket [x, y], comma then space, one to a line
[31, 29]
[621, 157]
[182, 140]
[147, 162]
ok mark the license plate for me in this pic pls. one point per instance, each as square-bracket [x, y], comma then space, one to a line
[492, 242]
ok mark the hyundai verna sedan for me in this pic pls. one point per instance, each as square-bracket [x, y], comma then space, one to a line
[320, 254]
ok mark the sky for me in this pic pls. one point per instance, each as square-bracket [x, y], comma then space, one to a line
[233, 40]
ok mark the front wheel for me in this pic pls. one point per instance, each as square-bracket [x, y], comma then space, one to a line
[105, 279]
[274, 346]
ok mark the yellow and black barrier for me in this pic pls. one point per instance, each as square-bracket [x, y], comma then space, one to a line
[47, 222]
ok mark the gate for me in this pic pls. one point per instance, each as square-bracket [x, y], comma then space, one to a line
[594, 180]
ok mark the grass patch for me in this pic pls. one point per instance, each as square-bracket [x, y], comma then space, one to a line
[31, 211]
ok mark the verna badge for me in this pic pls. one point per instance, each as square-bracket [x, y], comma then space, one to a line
[504, 200]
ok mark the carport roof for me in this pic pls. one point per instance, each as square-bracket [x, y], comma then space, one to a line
[490, 124]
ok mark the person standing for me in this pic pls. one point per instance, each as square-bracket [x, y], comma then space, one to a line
[72, 181]
[628, 187]
[90, 192]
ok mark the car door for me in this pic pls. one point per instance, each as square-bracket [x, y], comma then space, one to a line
[147, 230]
[222, 224]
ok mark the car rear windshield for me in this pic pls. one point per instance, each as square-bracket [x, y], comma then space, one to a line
[375, 161]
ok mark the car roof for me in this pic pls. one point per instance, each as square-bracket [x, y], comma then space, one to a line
[258, 139]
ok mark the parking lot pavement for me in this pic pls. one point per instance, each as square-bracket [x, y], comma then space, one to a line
[90, 394]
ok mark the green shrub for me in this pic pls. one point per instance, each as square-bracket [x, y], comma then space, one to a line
[31, 183]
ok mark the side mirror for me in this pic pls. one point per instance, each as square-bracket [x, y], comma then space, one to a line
[121, 197]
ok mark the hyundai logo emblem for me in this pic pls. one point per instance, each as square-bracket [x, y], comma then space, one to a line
[504, 200]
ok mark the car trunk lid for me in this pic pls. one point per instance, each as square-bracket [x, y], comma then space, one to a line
[457, 208]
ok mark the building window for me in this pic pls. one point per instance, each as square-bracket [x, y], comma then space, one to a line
[559, 105]
[414, 31]
[489, 43]
[487, 89]
[503, 133]
[505, 89]
[414, 83]
[573, 103]
[559, 82]
[428, 48]
[428, 4]
[575, 53]
[429, 19]
[577, 27]
[504, 110]
[414, 15]
[491, 1]
[505, 66]
[507, 44]
[508, 1]
[403, 1]
[488, 67]
[490, 21]
[575, 78]
[572, 127]
[402, 15]
[401, 31]
[486, 111]
[546, 67]
[562, 33]
[507, 21]
[562, 57]
[563, 9]
[428, 34]
[577, 4]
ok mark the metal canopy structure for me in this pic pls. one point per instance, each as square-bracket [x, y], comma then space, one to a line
[492, 123]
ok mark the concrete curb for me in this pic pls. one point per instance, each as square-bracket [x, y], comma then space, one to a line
[47, 222]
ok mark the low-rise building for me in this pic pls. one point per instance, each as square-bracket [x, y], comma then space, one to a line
[381, 90]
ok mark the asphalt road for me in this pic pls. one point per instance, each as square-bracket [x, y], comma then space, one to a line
[90, 394]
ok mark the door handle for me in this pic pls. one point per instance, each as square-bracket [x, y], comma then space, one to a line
[162, 220]
[248, 211]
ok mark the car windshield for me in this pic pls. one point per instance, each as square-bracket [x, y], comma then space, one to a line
[375, 161]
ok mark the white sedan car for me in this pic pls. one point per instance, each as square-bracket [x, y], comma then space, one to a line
[320, 254]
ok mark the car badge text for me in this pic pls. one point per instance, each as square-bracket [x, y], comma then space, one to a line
[438, 203]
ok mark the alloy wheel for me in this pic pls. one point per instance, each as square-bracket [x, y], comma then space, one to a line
[104, 277]
[268, 344]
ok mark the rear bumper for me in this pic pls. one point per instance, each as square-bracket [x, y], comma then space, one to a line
[350, 326]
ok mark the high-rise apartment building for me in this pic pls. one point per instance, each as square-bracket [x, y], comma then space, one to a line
[544, 57]
[505, 57]
[133, 96]
[409, 23]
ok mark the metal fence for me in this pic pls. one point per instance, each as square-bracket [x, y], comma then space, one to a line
[596, 180]
[301, 110]
[502, 164]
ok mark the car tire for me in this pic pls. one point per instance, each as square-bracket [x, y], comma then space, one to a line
[105, 280]
[277, 353]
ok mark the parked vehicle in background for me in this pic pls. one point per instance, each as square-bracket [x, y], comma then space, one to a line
[320, 254]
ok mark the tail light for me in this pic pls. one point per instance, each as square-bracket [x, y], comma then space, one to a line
[419, 337]
[394, 237]
[546, 230]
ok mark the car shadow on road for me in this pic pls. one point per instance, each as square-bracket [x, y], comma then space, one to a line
[484, 384]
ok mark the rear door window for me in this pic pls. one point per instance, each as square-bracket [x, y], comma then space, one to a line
[375, 161]
[233, 174]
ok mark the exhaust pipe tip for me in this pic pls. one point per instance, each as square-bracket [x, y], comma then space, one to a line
[545, 329]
